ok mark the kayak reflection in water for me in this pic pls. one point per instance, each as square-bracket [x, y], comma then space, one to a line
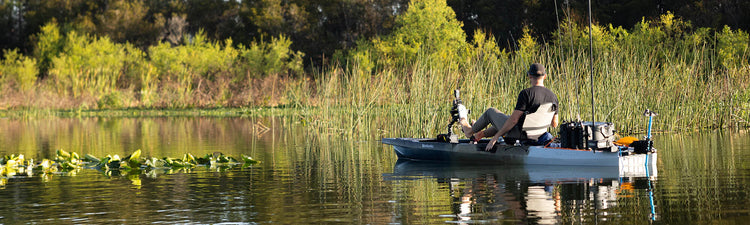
[488, 199]
[530, 194]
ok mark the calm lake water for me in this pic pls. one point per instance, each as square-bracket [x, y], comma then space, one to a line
[307, 177]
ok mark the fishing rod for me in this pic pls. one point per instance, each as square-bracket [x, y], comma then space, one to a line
[572, 55]
[591, 75]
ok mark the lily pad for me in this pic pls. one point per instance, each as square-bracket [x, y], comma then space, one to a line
[91, 158]
[249, 160]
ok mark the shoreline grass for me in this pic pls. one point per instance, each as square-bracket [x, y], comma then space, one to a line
[125, 113]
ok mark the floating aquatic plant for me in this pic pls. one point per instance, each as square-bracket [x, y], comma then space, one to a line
[133, 164]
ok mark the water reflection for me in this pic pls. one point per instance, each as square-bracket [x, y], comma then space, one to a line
[526, 194]
[158, 136]
[309, 176]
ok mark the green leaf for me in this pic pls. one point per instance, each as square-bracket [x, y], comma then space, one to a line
[104, 161]
[63, 155]
[156, 163]
[134, 157]
[249, 160]
[191, 158]
[68, 166]
[91, 158]
[205, 160]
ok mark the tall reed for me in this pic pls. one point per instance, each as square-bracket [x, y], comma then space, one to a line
[682, 80]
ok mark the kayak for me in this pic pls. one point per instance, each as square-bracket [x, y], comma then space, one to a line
[465, 151]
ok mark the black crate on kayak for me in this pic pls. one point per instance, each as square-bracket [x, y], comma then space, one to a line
[583, 135]
[642, 146]
[572, 135]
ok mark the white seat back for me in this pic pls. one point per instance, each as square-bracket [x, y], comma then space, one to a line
[537, 123]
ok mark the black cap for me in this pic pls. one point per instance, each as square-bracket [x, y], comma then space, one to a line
[536, 70]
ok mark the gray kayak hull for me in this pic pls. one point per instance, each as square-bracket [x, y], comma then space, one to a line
[466, 152]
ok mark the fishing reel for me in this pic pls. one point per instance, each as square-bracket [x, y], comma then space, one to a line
[454, 110]
[450, 137]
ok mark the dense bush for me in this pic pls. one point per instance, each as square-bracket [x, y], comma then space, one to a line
[428, 28]
[18, 69]
[260, 59]
[166, 74]
[88, 65]
[732, 47]
[49, 44]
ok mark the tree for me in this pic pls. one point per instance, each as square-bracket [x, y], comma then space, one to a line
[125, 21]
[428, 27]
[11, 24]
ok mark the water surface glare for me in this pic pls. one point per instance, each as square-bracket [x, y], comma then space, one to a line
[311, 177]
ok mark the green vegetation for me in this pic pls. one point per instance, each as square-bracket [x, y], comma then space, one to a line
[133, 164]
[658, 66]
[399, 81]
[94, 72]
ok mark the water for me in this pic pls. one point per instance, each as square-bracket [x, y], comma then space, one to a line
[309, 177]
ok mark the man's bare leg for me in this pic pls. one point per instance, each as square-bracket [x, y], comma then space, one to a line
[466, 127]
[468, 132]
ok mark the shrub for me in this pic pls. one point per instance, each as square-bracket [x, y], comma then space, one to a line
[113, 100]
[49, 45]
[527, 46]
[362, 57]
[429, 28]
[198, 58]
[484, 48]
[732, 47]
[19, 69]
[88, 65]
[261, 59]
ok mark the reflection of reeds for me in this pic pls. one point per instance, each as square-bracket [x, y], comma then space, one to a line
[701, 174]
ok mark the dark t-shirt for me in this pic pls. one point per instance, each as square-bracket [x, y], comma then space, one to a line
[531, 98]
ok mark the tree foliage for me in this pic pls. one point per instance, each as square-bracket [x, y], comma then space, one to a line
[126, 21]
[17, 69]
[427, 28]
[88, 65]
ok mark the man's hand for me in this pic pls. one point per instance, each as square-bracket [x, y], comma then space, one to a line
[493, 141]
[491, 144]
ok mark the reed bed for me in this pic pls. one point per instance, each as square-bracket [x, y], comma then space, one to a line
[684, 83]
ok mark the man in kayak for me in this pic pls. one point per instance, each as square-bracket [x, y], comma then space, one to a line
[528, 102]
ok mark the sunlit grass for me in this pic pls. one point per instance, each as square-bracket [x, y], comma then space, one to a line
[683, 85]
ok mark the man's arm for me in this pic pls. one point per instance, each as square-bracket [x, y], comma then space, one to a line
[555, 122]
[512, 121]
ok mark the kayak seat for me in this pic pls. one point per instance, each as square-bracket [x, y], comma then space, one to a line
[536, 124]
